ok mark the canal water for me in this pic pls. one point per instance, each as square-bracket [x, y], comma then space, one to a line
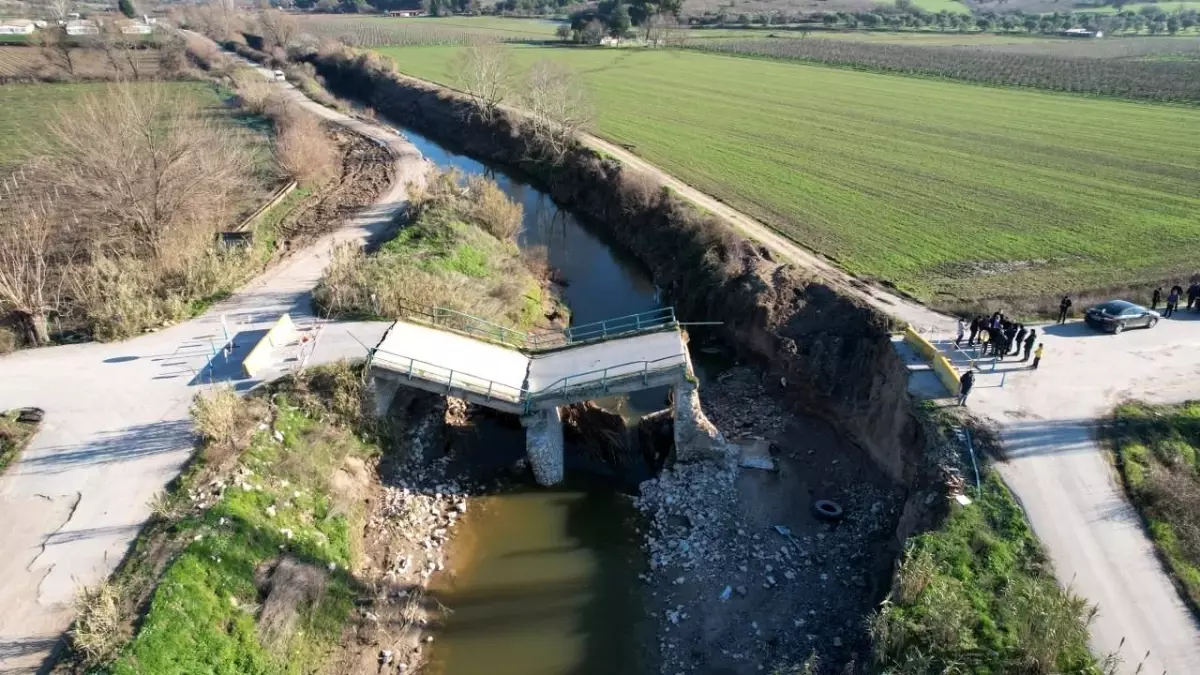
[545, 581]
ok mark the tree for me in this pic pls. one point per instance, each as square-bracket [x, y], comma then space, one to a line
[592, 33]
[56, 49]
[27, 277]
[557, 106]
[279, 28]
[1173, 24]
[563, 32]
[619, 22]
[60, 9]
[484, 72]
[127, 8]
[829, 19]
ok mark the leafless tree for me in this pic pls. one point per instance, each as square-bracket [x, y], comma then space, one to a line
[28, 286]
[148, 167]
[56, 49]
[302, 148]
[60, 9]
[112, 42]
[558, 107]
[279, 28]
[484, 72]
[664, 29]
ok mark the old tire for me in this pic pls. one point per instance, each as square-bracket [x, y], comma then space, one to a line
[827, 510]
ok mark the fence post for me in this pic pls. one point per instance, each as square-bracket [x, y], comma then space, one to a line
[410, 368]
[450, 383]
[645, 372]
[489, 391]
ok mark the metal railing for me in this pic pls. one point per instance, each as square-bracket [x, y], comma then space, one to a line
[450, 319]
[581, 386]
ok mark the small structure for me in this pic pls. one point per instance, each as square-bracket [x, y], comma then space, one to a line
[406, 13]
[17, 27]
[1082, 33]
[136, 28]
[82, 27]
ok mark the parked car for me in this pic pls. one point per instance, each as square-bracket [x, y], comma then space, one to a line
[278, 75]
[1115, 316]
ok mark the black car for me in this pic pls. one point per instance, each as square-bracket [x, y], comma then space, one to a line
[1115, 316]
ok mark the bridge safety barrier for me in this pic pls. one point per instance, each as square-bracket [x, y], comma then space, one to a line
[283, 332]
[945, 372]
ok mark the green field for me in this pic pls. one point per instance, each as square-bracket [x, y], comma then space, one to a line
[26, 109]
[951, 191]
[374, 31]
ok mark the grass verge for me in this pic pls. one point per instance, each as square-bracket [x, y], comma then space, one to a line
[976, 595]
[1157, 454]
[246, 566]
[457, 251]
[14, 435]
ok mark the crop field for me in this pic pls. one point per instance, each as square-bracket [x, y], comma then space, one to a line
[378, 31]
[22, 62]
[1126, 73]
[951, 191]
[26, 109]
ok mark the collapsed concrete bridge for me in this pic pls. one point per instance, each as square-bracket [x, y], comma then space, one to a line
[535, 374]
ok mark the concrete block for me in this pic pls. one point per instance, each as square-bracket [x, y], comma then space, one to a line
[544, 445]
[696, 438]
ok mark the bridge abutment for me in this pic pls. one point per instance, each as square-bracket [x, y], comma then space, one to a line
[382, 391]
[696, 438]
[544, 445]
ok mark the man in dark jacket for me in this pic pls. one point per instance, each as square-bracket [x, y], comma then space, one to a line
[1192, 292]
[1063, 308]
[974, 330]
[964, 386]
[1020, 341]
[1029, 344]
[1156, 298]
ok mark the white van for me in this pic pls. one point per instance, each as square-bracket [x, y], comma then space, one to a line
[278, 76]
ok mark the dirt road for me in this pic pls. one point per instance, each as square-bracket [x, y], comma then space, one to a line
[117, 430]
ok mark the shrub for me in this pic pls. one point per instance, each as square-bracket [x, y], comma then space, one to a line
[492, 210]
[303, 149]
[99, 630]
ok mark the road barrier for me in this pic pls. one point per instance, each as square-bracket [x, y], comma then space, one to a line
[941, 365]
[282, 333]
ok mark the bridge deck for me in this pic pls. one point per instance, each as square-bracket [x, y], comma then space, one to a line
[508, 379]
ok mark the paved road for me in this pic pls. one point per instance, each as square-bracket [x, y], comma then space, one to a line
[117, 430]
[1047, 420]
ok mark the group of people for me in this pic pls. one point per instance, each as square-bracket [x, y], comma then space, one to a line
[999, 337]
[1193, 298]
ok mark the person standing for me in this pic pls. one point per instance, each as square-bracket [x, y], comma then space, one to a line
[964, 386]
[1192, 292]
[1020, 339]
[1063, 308]
[1156, 297]
[1029, 344]
[962, 329]
[1172, 301]
[984, 336]
[974, 330]
[1037, 355]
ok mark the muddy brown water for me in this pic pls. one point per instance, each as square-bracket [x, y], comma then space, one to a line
[545, 581]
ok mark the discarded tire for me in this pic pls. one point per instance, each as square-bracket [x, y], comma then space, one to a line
[30, 415]
[827, 510]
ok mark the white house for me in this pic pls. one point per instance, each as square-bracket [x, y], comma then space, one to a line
[135, 28]
[17, 27]
[82, 27]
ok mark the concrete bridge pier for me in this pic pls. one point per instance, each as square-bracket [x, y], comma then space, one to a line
[382, 391]
[544, 445]
[696, 438]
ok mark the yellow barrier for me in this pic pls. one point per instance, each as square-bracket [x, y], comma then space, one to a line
[941, 365]
[924, 347]
[946, 373]
[283, 332]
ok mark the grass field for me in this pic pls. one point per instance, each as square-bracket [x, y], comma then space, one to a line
[950, 191]
[374, 31]
[26, 109]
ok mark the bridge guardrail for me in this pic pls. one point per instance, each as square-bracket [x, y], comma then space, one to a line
[442, 317]
[598, 382]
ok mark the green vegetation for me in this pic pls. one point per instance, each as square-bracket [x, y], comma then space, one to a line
[953, 192]
[377, 31]
[456, 251]
[13, 437]
[977, 595]
[256, 578]
[1156, 449]
[27, 109]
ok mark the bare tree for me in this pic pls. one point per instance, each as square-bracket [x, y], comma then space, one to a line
[60, 9]
[558, 108]
[56, 49]
[302, 148]
[27, 279]
[484, 72]
[279, 28]
[112, 42]
[149, 168]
